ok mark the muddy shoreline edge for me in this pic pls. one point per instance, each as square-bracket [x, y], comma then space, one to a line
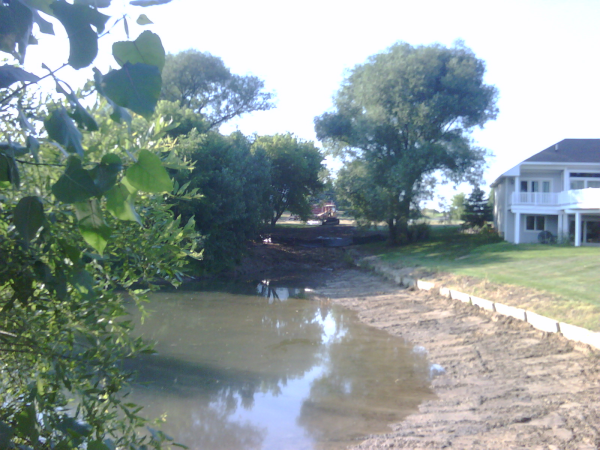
[506, 385]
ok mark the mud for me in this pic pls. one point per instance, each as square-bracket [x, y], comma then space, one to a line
[504, 384]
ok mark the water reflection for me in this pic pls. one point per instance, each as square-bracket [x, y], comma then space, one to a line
[278, 293]
[272, 372]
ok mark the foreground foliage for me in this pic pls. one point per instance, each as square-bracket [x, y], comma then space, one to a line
[83, 223]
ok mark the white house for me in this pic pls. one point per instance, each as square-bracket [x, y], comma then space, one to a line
[556, 191]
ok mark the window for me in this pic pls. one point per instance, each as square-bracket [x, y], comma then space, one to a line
[534, 186]
[524, 185]
[577, 184]
[535, 223]
[545, 186]
[582, 180]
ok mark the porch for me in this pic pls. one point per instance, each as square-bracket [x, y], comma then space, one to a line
[588, 198]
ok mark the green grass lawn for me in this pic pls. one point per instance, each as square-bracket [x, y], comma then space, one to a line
[570, 273]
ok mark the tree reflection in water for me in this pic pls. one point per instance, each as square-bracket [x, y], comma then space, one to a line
[248, 372]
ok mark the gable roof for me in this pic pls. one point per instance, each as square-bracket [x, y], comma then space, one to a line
[570, 151]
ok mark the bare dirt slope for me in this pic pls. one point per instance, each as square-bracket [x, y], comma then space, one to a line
[505, 386]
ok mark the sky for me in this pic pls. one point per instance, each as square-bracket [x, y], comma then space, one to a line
[543, 56]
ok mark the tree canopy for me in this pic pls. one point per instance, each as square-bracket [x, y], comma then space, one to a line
[407, 113]
[202, 82]
[83, 221]
[295, 167]
[233, 184]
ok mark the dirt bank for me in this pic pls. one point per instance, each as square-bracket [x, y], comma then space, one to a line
[505, 385]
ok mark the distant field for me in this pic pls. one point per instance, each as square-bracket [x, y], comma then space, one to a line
[570, 273]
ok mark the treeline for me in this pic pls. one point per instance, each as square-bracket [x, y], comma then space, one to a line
[243, 183]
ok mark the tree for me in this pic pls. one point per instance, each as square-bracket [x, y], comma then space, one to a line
[294, 166]
[83, 221]
[356, 186]
[408, 113]
[233, 184]
[457, 206]
[477, 209]
[202, 82]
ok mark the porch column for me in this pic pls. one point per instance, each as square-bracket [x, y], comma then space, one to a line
[517, 228]
[577, 229]
[561, 226]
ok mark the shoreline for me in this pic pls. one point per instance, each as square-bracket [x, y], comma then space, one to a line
[505, 384]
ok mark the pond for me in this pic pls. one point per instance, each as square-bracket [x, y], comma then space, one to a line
[270, 369]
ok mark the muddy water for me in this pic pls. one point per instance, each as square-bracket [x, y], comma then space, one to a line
[272, 371]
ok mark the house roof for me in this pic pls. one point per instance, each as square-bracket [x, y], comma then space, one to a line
[565, 151]
[570, 151]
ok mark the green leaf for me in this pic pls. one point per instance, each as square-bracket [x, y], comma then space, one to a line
[82, 280]
[28, 217]
[6, 434]
[143, 20]
[60, 128]
[41, 5]
[91, 224]
[80, 115]
[105, 174]
[9, 172]
[33, 145]
[146, 49]
[45, 26]
[83, 40]
[148, 174]
[4, 171]
[10, 74]
[73, 252]
[42, 272]
[134, 86]
[97, 445]
[119, 114]
[16, 22]
[75, 184]
[26, 423]
[119, 202]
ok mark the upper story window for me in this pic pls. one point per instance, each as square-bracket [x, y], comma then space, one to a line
[582, 180]
[535, 186]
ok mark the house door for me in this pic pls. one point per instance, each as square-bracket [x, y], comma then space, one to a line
[591, 232]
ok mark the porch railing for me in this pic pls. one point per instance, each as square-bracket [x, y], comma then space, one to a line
[588, 198]
[535, 198]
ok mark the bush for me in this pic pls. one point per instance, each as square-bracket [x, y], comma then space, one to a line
[419, 232]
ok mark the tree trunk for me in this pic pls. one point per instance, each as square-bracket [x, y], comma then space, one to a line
[398, 224]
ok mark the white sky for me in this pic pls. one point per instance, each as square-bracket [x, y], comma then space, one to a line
[542, 55]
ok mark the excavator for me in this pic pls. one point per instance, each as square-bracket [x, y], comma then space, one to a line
[327, 216]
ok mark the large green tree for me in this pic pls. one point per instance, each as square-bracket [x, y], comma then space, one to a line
[407, 113]
[82, 217]
[295, 166]
[202, 82]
